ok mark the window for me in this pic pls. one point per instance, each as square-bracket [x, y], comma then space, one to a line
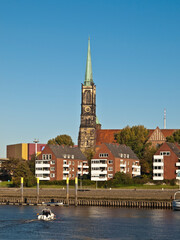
[110, 161]
[72, 175]
[128, 170]
[69, 162]
[72, 162]
[50, 156]
[110, 175]
[69, 175]
[68, 156]
[52, 175]
[69, 169]
[64, 162]
[165, 153]
[72, 156]
[43, 156]
[52, 162]
[47, 156]
[73, 169]
[52, 168]
[103, 155]
[64, 155]
[110, 168]
[127, 155]
[124, 155]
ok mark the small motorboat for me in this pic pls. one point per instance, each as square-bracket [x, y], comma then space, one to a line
[46, 215]
[176, 203]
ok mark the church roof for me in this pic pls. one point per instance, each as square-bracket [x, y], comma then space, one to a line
[107, 135]
[61, 150]
[88, 75]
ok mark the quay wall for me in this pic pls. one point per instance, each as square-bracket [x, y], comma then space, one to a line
[114, 197]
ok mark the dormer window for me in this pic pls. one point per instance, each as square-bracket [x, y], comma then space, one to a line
[64, 155]
[103, 155]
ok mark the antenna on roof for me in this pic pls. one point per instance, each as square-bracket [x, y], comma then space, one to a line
[164, 118]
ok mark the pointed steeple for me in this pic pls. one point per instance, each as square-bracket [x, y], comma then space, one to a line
[88, 75]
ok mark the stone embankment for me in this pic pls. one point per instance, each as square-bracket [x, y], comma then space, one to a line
[97, 197]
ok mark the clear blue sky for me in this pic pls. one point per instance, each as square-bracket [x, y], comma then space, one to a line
[135, 50]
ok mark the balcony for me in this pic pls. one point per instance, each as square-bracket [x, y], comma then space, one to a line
[178, 164]
[136, 173]
[42, 172]
[122, 165]
[123, 170]
[158, 171]
[158, 178]
[99, 165]
[65, 165]
[44, 178]
[177, 170]
[97, 172]
[85, 172]
[98, 178]
[65, 172]
[43, 165]
[85, 166]
[158, 164]
[136, 166]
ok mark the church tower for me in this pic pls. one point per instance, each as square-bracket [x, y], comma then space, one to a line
[87, 130]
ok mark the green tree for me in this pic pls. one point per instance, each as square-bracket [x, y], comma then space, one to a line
[135, 137]
[89, 153]
[174, 138]
[120, 178]
[61, 140]
[146, 162]
[23, 170]
[8, 167]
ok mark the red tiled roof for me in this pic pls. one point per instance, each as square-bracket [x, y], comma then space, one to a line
[107, 135]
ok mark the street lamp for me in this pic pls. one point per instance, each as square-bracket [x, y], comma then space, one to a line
[36, 141]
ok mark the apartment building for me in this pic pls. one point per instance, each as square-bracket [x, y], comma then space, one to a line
[24, 151]
[59, 162]
[112, 158]
[166, 162]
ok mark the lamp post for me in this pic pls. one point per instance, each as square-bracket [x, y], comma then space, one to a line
[36, 142]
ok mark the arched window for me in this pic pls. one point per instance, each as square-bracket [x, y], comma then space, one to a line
[88, 97]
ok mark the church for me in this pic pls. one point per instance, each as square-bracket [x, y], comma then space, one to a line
[90, 132]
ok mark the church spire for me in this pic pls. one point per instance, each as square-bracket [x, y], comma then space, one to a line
[88, 75]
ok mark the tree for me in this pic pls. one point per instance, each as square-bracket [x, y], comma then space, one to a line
[135, 137]
[23, 170]
[8, 167]
[16, 168]
[120, 178]
[61, 140]
[174, 138]
[89, 153]
[146, 162]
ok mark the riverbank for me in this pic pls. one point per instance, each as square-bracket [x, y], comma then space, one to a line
[99, 197]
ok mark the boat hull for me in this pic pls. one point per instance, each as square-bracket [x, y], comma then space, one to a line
[176, 205]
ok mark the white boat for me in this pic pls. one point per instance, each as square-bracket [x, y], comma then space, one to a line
[176, 202]
[46, 215]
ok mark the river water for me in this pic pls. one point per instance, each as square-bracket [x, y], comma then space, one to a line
[85, 223]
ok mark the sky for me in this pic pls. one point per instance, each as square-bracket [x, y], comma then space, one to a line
[135, 52]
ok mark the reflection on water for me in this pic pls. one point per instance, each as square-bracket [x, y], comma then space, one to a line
[18, 222]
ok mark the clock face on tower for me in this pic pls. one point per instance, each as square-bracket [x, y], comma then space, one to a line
[87, 109]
